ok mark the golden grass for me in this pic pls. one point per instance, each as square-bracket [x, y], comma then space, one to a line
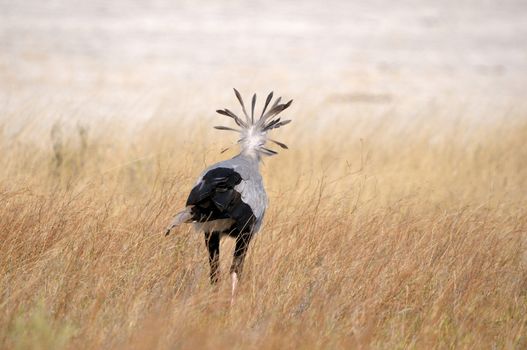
[376, 236]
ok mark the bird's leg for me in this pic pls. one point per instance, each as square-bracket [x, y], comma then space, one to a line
[212, 240]
[242, 243]
[234, 277]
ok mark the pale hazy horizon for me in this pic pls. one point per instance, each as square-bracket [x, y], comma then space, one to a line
[124, 60]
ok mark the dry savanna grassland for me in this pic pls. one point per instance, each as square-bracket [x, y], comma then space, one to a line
[379, 234]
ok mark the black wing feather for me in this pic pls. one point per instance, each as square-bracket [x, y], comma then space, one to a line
[218, 179]
[215, 198]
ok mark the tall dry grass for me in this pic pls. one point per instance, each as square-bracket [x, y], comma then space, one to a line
[377, 235]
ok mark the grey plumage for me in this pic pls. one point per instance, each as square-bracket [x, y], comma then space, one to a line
[229, 197]
[251, 187]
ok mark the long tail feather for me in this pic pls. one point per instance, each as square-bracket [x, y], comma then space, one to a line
[254, 132]
[229, 114]
[277, 110]
[266, 116]
[277, 125]
[183, 216]
[253, 104]
[268, 151]
[282, 145]
[219, 127]
[271, 123]
[239, 97]
[267, 101]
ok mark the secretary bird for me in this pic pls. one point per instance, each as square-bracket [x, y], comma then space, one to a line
[229, 197]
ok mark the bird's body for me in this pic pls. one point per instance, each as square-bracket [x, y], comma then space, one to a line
[229, 197]
[239, 193]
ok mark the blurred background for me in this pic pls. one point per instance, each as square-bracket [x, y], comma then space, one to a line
[147, 61]
[401, 196]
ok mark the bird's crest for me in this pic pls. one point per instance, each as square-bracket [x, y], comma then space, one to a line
[253, 130]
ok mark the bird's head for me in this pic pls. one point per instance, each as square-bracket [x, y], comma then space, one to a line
[254, 130]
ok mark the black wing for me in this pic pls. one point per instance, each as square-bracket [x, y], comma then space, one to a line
[215, 198]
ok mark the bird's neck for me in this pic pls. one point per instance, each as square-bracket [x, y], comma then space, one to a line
[251, 156]
[252, 139]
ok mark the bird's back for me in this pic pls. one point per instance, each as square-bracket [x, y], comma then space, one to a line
[231, 189]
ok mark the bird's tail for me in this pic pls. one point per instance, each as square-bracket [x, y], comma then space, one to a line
[182, 217]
